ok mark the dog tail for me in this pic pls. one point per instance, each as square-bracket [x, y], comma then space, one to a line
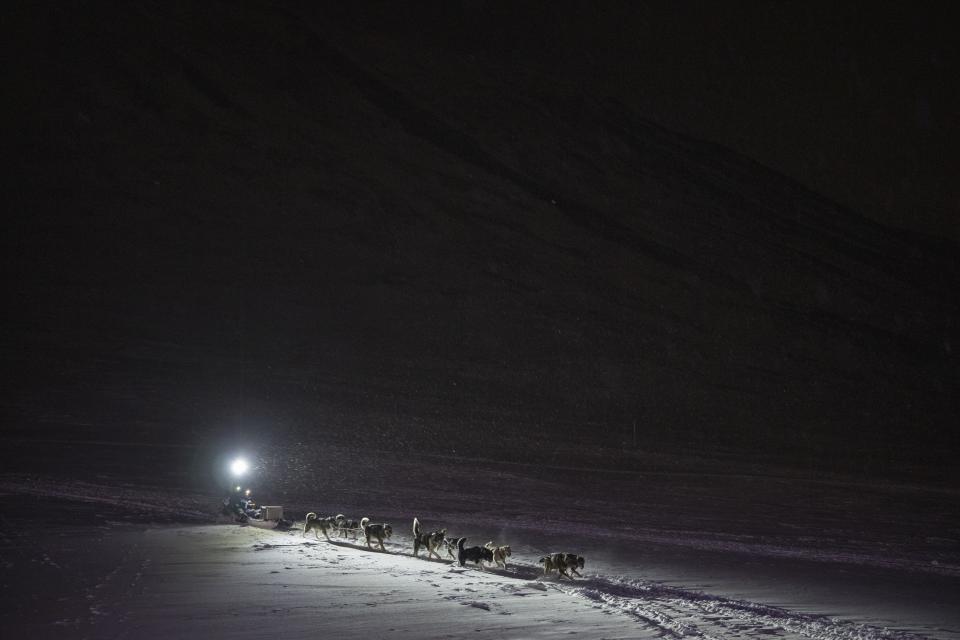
[310, 516]
[363, 523]
[416, 527]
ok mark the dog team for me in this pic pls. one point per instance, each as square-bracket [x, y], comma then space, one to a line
[433, 542]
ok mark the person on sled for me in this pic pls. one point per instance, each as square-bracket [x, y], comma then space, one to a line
[237, 503]
[248, 506]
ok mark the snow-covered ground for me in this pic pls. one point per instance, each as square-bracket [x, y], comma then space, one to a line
[237, 581]
[108, 554]
[225, 581]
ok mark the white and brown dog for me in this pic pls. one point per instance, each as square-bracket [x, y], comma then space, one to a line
[500, 554]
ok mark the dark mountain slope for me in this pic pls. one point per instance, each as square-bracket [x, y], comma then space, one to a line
[297, 223]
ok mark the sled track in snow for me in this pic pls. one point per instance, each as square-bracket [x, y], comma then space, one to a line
[680, 612]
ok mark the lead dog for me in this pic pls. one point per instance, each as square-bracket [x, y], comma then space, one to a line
[473, 554]
[573, 562]
[561, 562]
[315, 523]
[378, 531]
[500, 554]
[429, 541]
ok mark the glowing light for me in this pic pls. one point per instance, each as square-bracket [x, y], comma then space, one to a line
[239, 467]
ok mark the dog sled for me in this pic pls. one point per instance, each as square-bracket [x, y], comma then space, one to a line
[271, 517]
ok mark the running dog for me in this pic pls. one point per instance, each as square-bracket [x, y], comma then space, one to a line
[316, 523]
[429, 541]
[378, 531]
[547, 562]
[350, 528]
[473, 554]
[450, 544]
[500, 554]
[561, 562]
[572, 562]
[345, 527]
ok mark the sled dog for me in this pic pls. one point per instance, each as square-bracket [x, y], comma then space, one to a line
[561, 563]
[345, 527]
[379, 531]
[317, 524]
[429, 541]
[500, 554]
[547, 562]
[450, 544]
[473, 554]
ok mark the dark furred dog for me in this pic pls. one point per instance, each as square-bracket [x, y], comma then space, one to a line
[562, 562]
[473, 554]
[572, 562]
[378, 531]
[429, 541]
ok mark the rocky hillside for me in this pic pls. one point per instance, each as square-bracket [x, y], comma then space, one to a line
[319, 226]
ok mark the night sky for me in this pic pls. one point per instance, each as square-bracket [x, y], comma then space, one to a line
[585, 227]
